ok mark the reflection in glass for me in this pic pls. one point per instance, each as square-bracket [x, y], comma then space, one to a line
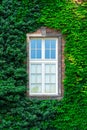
[36, 78]
[39, 78]
[53, 44]
[47, 78]
[35, 88]
[32, 54]
[36, 48]
[33, 68]
[38, 53]
[53, 68]
[33, 44]
[47, 54]
[33, 78]
[38, 68]
[50, 49]
[47, 68]
[38, 44]
[53, 54]
[50, 68]
[52, 78]
[50, 88]
[47, 44]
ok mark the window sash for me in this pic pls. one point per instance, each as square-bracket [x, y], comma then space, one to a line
[43, 82]
[43, 62]
[43, 50]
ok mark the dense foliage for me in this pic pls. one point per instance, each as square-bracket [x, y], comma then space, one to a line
[17, 17]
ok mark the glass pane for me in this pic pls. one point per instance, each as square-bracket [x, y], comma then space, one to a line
[33, 68]
[53, 54]
[47, 88]
[38, 44]
[47, 54]
[50, 68]
[38, 53]
[53, 44]
[39, 79]
[36, 68]
[53, 68]
[47, 68]
[35, 88]
[33, 78]
[50, 88]
[39, 68]
[47, 78]
[33, 44]
[53, 78]
[47, 44]
[32, 54]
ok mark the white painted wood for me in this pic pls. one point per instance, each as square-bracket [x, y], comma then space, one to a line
[44, 62]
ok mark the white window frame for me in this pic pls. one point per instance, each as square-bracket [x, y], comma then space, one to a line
[44, 61]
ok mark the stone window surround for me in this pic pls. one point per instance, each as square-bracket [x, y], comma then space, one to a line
[45, 32]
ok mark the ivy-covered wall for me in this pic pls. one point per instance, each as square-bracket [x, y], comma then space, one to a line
[18, 17]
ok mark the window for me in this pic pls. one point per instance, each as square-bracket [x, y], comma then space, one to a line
[44, 63]
[43, 66]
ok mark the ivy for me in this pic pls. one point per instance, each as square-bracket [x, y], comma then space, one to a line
[19, 17]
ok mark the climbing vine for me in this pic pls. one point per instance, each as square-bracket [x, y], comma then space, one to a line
[18, 18]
